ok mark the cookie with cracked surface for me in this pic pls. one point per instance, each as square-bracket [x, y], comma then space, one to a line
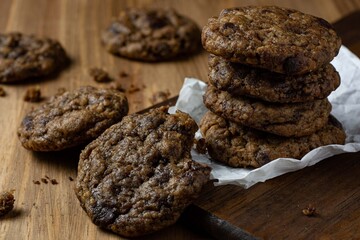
[239, 79]
[138, 176]
[151, 35]
[284, 119]
[72, 118]
[278, 39]
[239, 146]
[26, 56]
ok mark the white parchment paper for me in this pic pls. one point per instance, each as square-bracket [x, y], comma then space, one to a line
[346, 108]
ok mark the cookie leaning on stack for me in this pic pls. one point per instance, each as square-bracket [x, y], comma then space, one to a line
[269, 70]
[138, 176]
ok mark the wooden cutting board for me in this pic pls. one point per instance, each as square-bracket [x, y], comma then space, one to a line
[51, 211]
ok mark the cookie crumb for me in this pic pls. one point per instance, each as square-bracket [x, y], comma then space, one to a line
[44, 180]
[133, 89]
[200, 146]
[2, 92]
[36, 182]
[6, 202]
[53, 181]
[123, 74]
[71, 179]
[117, 86]
[99, 75]
[160, 96]
[309, 211]
[33, 94]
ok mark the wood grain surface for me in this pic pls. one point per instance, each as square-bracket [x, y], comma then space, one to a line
[51, 211]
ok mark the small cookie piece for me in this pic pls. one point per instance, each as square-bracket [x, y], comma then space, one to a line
[239, 146]
[99, 75]
[284, 119]
[26, 56]
[138, 176]
[33, 94]
[2, 92]
[72, 118]
[151, 35]
[239, 79]
[6, 202]
[278, 39]
[160, 96]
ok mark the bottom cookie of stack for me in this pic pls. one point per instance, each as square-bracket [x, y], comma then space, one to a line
[240, 146]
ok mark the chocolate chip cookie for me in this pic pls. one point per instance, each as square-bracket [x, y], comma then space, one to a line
[26, 56]
[239, 146]
[284, 119]
[72, 118]
[278, 39]
[138, 176]
[151, 35]
[239, 79]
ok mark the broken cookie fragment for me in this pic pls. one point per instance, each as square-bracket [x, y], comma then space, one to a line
[6, 202]
[99, 75]
[2, 92]
[33, 94]
[309, 211]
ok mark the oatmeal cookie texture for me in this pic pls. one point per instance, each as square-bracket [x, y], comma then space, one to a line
[239, 79]
[26, 56]
[138, 176]
[72, 118]
[239, 146]
[151, 35]
[278, 39]
[285, 119]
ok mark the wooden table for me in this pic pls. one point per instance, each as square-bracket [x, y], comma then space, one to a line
[267, 210]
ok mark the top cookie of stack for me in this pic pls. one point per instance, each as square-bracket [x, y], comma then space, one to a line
[269, 70]
[278, 39]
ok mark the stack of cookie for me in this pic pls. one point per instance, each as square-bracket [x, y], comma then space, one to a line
[270, 75]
